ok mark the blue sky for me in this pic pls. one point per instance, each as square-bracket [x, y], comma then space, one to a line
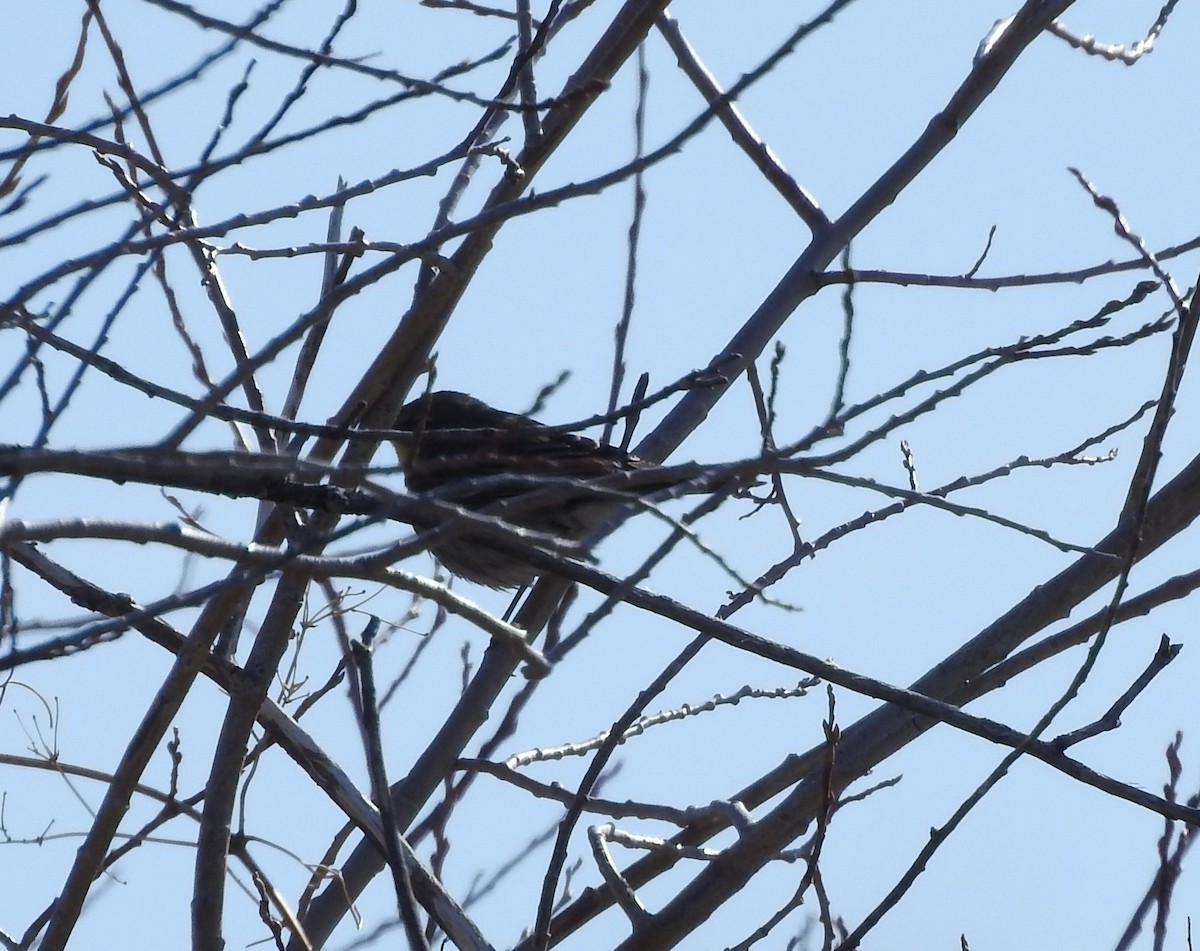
[889, 601]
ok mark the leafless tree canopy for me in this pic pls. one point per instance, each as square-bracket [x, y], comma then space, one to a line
[236, 242]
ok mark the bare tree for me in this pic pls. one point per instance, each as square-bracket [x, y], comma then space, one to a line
[235, 248]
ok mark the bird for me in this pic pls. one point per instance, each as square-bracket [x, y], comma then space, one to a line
[459, 449]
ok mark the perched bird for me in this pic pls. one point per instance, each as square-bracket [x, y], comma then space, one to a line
[463, 451]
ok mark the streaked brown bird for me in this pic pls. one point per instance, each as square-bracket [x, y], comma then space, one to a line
[463, 451]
